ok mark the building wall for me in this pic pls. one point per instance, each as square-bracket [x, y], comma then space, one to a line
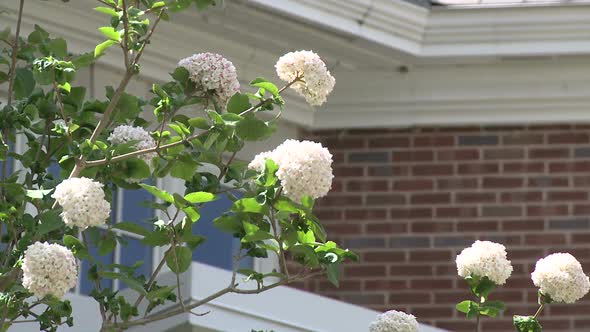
[409, 200]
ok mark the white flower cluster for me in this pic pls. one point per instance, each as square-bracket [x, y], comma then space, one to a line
[485, 259]
[317, 82]
[212, 72]
[49, 269]
[124, 134]
[305, 168]
[561, 277]
[394, 321]
[83, 202]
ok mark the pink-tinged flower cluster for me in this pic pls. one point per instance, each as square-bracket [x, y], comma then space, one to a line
[49, 269]
[212, 73]
[305, 168]
[125, 134]
[83, 202]
[561, 277]
[316, 81]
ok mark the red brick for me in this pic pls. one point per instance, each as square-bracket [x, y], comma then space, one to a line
[477, 226]
[449, 155]
[544, 239]
[431, 227]
[502, 182]
[433, 141]
[521, 196]
[523, 225]
[432, 170]
[410, 270]
[549, 153]
[478, 168]
[364, 271]
[411, 213]
[457, 183]
[344, 285]
[581, 238]
[413, 185]
[425, 284]
[414, 155]
[432, 312]
[389, 228]
[343, 229]
[367, 185]
[548, 181]
[389, 142]
[340, 200]
[366, 214]
[430, 256]
[522, 139]
[524, 167]
[547, 210]
[409, 298]
[568, 167]
[503, 154]
[439, 198]
[342, 143]
[348, 171]
[475, 197]
[567, 195]
[383, 256]
[456, 212]
[568, 138]
[385, 284]
[385, 199]
[581, 210]
[582, 181]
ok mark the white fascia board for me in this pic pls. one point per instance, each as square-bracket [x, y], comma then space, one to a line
[270, 310]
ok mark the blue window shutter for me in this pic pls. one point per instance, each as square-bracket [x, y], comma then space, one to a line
[219, 247]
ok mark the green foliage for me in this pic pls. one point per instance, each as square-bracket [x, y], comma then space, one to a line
[61, 126]
[481, 289]
[526, 324]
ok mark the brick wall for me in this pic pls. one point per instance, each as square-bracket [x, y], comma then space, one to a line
[409, 200]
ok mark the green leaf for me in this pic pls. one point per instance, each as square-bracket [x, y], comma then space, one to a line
[484, 287]
[252, 129]
[131, 228]
[200, 197]
[107, 244]
[76, 246]
[249, 205]
[58, 47]
[526, 324]
[310, 256]
[161, 194]
[158, 4]
[333, 273]
[107, 10]
[192, 213]
[193, 241]
[136, 168]
[181, 75]
[132, 283]
[38, 193]
[469, 308]
[261, 82]
[203, 4]
[179, 260]
[110, 33]
[156, 238]
[228, 223]
[183, 170]
[24, 83]
[200, 123]
[102, 47]
[49, 221]
[259, 235]
[238, 103]
[83, 60]
[160, 293]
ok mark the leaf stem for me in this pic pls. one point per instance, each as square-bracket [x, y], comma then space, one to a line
[539, 310]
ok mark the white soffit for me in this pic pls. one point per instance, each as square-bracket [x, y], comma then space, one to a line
[404, 66]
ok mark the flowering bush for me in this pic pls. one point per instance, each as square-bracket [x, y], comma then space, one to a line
[50, 221]
[394, 321]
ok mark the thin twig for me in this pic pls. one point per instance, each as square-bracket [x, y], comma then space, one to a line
[539, 310]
